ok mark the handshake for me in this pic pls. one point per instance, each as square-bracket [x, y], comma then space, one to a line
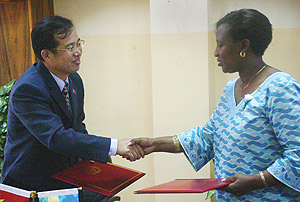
[134, 149]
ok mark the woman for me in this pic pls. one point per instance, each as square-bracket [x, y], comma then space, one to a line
[254, 132]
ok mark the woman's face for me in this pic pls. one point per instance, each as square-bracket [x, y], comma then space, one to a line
[227, 52]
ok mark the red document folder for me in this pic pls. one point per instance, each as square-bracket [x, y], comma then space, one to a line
[184, 186]
[107, 179]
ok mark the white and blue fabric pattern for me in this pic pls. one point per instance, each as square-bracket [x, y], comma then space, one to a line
[257, 134]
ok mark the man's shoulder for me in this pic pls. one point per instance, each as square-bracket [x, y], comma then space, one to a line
[30, 73]
[31, 77]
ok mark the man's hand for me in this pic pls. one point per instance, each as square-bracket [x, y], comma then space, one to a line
[130, 151]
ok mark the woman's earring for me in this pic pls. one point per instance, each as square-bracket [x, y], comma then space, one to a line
[243, 54]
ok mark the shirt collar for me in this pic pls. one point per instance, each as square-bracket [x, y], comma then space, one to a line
[60, 82]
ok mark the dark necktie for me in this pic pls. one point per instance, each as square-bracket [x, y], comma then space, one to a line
[65, 92]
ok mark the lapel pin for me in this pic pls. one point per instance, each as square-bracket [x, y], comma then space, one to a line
[74, 91]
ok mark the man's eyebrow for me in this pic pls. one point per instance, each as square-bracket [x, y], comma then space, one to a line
[72, 43]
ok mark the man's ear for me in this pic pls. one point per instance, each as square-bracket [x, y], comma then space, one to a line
[245, 45]
[46, 54]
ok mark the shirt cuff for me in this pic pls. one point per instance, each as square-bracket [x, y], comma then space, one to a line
[113, 147]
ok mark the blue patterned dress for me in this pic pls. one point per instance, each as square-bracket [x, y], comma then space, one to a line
[260, 133]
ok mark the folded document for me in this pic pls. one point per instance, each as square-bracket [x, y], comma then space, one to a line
[185, 186]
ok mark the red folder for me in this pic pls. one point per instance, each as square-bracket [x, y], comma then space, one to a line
[107, 179]
[185, 186]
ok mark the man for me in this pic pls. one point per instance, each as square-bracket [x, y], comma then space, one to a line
[46, 133]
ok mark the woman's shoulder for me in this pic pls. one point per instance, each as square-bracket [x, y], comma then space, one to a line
[280, 84]
[230, 84]
[229, 88]
[279, 78]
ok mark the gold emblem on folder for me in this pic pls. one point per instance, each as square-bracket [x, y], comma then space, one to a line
[92, 170]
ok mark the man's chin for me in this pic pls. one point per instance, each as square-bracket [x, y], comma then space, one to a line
[75, 68]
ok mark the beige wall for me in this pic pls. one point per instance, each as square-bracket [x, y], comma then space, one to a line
[149, 70]
[179, 45]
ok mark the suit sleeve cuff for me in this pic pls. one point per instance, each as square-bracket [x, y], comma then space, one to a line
[113, 147]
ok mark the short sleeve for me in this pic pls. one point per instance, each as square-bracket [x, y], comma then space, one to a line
[283, 112]
[198, 145]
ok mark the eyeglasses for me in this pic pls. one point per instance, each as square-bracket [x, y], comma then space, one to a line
[71, 48]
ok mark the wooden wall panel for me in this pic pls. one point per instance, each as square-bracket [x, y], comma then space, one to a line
[15, 40]
[17, 18]
[40, 9]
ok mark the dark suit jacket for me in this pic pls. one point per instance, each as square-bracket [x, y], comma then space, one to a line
[43, 137]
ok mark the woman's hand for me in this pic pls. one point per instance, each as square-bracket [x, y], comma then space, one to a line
[158, 144]
[148, 144]
[242, 184]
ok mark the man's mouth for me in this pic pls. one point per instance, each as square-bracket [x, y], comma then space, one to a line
[77, 62]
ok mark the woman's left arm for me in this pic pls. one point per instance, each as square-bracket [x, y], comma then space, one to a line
[242, 183]
[283, 113]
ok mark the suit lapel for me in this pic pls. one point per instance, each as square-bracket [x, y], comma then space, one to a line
[73, 97]
[55, 91]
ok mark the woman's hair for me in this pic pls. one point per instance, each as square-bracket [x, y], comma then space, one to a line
[45, 33]
[249, 24]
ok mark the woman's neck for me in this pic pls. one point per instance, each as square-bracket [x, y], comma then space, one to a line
[250, 70]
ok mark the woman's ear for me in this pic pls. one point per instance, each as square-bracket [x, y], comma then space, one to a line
[245, 45]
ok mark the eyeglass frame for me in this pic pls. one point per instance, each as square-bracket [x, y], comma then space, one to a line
[79, 45]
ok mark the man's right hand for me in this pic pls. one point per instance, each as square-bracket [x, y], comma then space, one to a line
[129, 151]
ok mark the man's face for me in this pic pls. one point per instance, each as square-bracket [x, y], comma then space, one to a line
[65, 60]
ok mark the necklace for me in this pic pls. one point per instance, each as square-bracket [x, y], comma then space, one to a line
[253, 77]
